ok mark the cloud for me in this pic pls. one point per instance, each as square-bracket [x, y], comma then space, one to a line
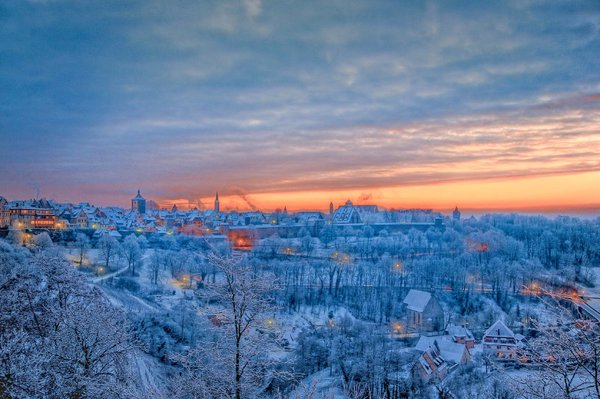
[253, 7]
[194, 97]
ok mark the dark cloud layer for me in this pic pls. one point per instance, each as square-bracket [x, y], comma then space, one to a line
[186, 98]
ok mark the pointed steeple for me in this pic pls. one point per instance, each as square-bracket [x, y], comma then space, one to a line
[217, 207]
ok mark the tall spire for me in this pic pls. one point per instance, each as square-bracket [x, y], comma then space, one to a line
[456, 213]
[217, 208]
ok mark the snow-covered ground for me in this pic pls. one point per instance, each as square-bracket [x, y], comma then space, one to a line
[320, 385]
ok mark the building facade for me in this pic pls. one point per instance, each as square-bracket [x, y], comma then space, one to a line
[500, 341]
[31, 214]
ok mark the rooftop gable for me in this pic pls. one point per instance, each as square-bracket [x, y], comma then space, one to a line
[499, 329]
[417, 300]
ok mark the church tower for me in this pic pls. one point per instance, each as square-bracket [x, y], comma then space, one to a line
[217, 208]
[138, 203]
[456, 214]
[331, 208]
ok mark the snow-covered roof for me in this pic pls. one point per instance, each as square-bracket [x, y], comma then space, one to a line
[499, 329]
[30, 204]
[431, 360]
[417, 300]
[308, 216]
[449, 350]
[459, 331]
[346, 214]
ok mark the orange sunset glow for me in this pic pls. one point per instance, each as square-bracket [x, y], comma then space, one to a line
[570, 192]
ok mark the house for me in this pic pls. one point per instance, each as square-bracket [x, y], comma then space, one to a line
[79, 218]
[461, 335]
[423, 312]
[30, 214]
[430, 365]
[500, 341]
[453, 353]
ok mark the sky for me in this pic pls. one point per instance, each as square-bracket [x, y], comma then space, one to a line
[481, 104]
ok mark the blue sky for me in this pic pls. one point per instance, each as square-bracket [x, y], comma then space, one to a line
[184, 98]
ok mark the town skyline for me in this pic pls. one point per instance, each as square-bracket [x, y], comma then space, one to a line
[240, 202]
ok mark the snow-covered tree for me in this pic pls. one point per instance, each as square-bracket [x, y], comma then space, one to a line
[82, 243]
[132, 252]
[109, 248]
[58, 338]
[236, 358]
[41, 241]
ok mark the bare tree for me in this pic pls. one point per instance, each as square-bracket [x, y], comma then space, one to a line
[242, 335]
[132, 252]
[155, 263]
[109, 248]
[567, 356]
[82, 243]
[90, 348]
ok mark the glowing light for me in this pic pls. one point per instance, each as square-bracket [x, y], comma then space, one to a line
[270, 323]
[397, 328]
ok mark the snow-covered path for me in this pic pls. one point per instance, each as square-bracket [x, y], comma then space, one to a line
[107, 276]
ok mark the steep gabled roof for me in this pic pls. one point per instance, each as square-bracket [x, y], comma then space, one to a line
[417, 300]
[431, 360]
[499, 329]
[448, 349]
[346, 213]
